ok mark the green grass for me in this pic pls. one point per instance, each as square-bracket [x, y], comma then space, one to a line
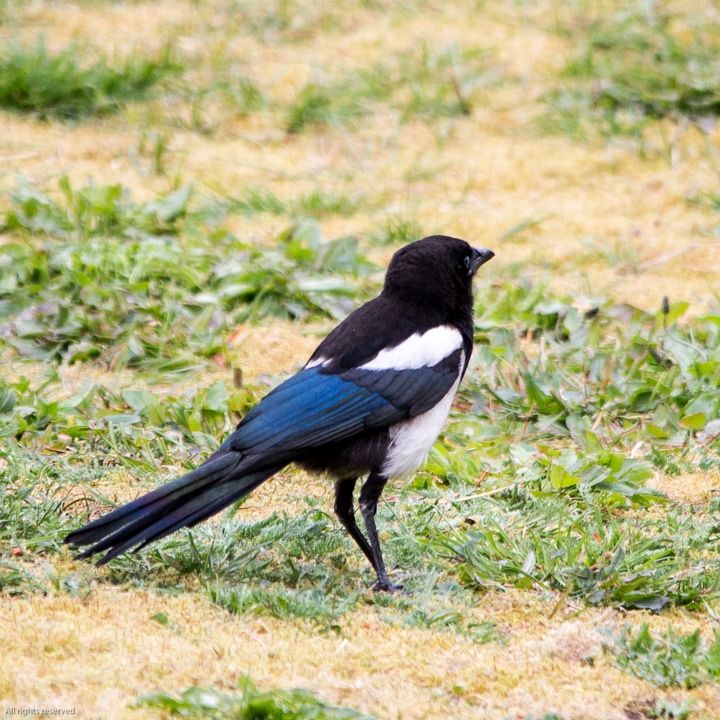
[670, 659]
[242, 94]
[554, 422]
[438, 605]
[537, 542]
[135, 284]
[422, 83]
[441, 83]
[255, 201]
[319, 204]
[140, 427]
[35, 494]
[311, 604]
[204, 104]
[633, 68]
[278, 177]
[292, 22]
[315, 204]
[313, 106]
[552, 433]
[609, 376]
[250, 704]
[560, 419]
[567, 414]
[396, 230]
[70, 85]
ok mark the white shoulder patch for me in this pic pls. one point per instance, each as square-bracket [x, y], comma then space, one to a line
[418, 350]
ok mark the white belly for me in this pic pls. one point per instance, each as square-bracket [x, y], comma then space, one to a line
[412, 439]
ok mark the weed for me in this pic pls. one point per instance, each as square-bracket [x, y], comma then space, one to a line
[255, 201]
[440, 84]
[155, 145]
[228, 94]
[136, 424]
[33, 503]
[659, 708]
[206, 702]
[288, 22]
[559, 419]
[608, 378]
[319, 204]
[112, 279]
[36, 494]
[541, 541]
[667, 660]
[314, 604]
[314, 106]
[315, 204]
[396, 229]
[553, 409]
[632, 68]
[427, 82]
[427, 612]
[422, 82]
[243, 95]
[67, 86]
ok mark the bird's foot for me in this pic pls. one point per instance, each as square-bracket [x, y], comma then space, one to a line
[385, 586]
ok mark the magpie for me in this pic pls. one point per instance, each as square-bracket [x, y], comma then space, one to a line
[371, 400]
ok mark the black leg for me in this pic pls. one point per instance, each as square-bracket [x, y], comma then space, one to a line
[369, 496]
[346, 514]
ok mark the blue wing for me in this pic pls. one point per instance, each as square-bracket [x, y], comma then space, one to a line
[316, 407]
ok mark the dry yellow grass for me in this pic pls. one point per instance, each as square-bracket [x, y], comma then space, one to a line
[95, 655]
[475, 178]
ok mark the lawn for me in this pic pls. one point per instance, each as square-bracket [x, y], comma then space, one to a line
[193, 194]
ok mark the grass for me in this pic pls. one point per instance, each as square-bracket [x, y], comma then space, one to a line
[114, 279]
[638, 564]
[558, 403]
[68, 86]
[281, 22]
[669, 660]
[420, 83]
[315, 204]
[206, 702]
[565, 451]
[162, 267]
[396, 229]
[636, 67]
[313, 106]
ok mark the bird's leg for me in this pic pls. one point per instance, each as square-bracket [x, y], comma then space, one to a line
[369, 496]
[346, 514]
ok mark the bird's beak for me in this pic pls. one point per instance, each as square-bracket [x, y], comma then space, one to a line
[480, 257]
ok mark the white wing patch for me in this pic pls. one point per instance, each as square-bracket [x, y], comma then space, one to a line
[316, 362]
[412, 439]
[418, 350]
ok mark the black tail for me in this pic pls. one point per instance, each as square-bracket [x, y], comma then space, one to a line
[217, 483]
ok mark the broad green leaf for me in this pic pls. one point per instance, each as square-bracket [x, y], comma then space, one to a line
[172, 206]
[560, 478]
[215, 397]
[696, 421]
[145, 403]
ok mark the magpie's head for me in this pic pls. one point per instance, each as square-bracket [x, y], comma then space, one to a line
[437, 270]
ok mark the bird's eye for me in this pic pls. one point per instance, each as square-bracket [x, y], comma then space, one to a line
[467, 262]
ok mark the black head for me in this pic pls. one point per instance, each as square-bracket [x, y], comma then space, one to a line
[436, 271]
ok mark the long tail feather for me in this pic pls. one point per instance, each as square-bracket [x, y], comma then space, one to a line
[181, 503]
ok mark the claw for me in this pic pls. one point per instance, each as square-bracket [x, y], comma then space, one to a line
[385, 586]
